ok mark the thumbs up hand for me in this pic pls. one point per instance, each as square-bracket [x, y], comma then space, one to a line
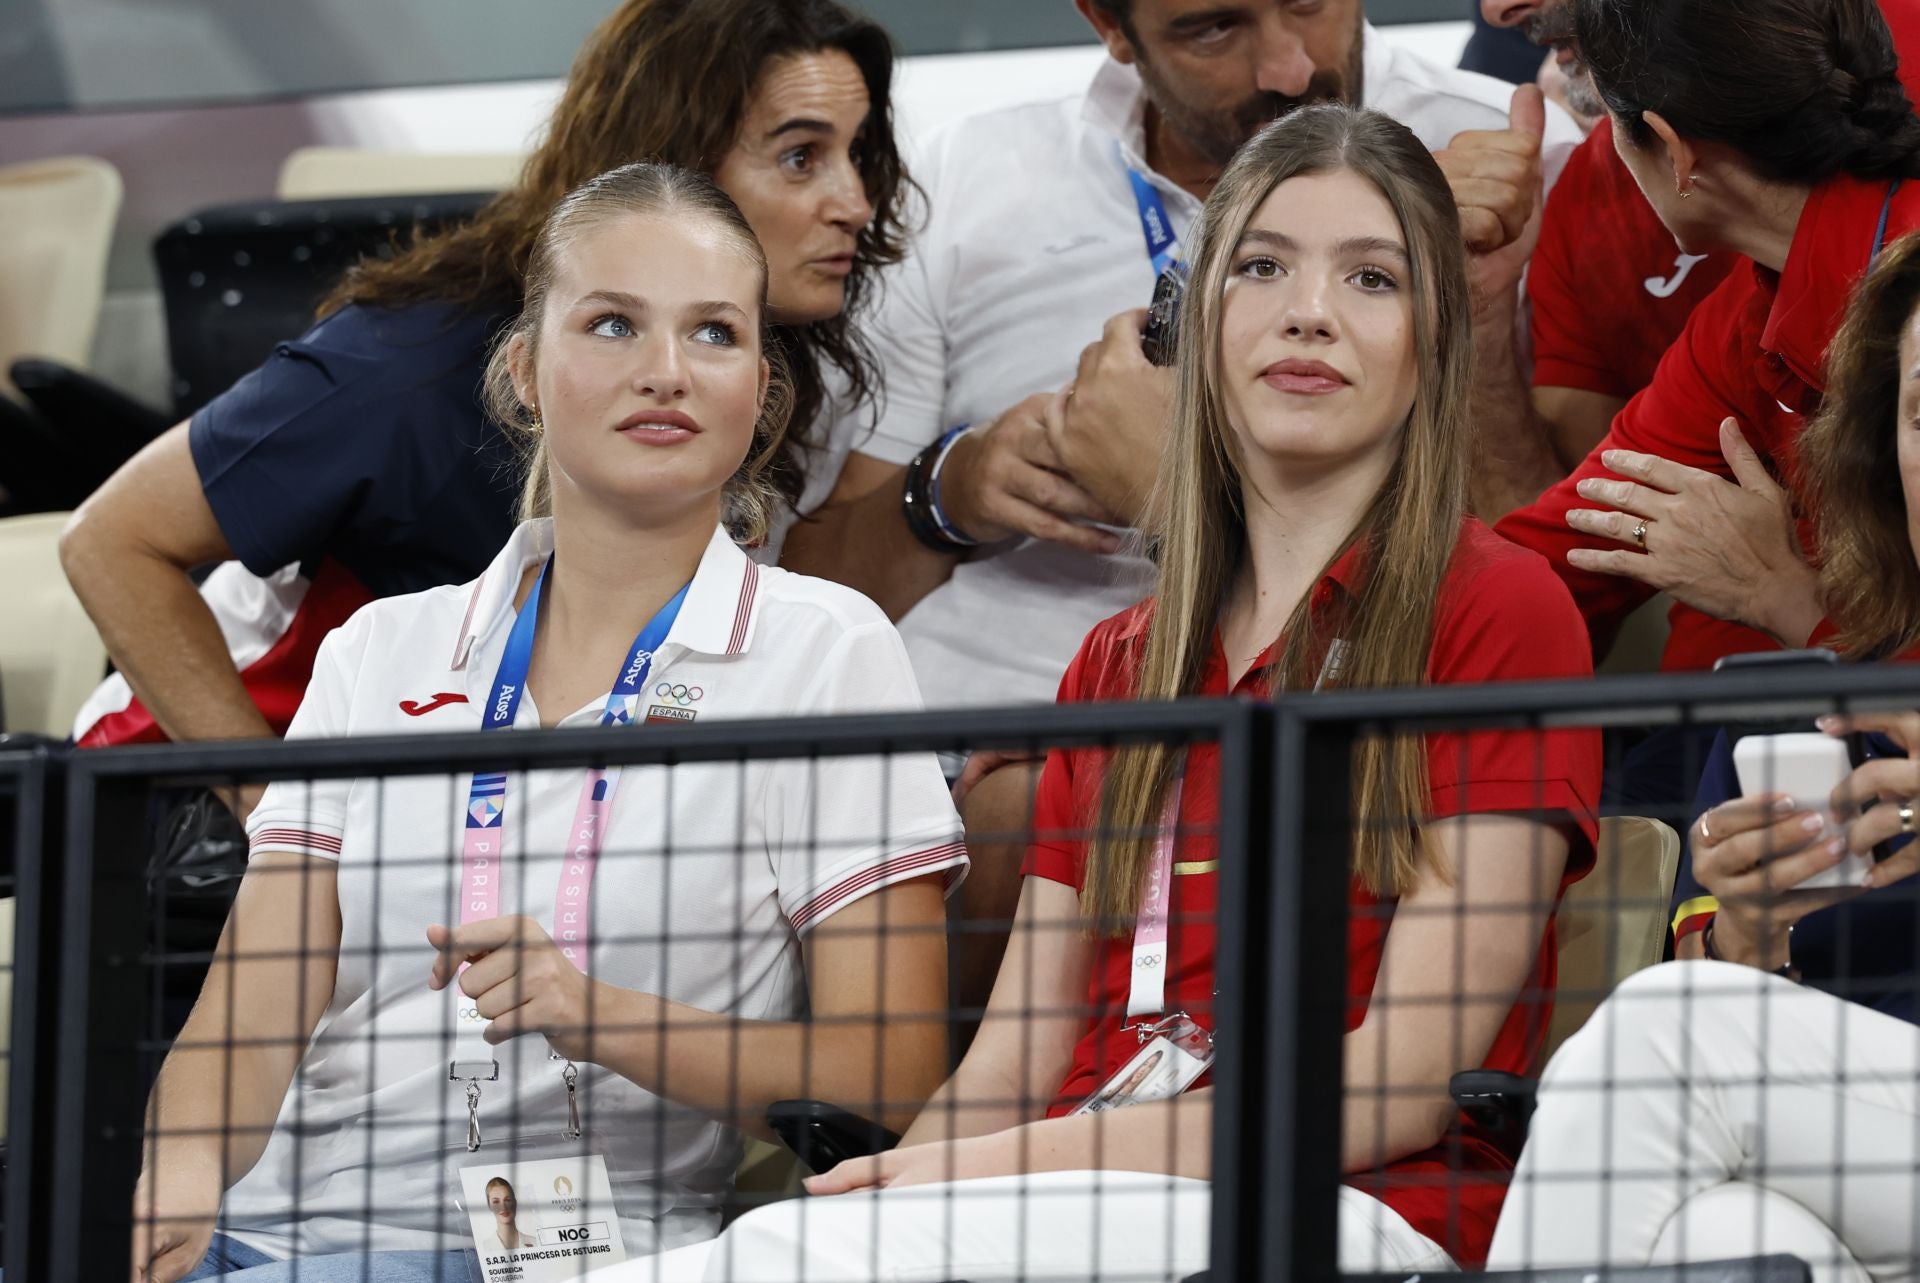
[1495, 174]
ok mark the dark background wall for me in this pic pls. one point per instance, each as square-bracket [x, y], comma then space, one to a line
[65, 55]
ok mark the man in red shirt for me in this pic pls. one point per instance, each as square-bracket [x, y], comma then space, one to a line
[1610, 289]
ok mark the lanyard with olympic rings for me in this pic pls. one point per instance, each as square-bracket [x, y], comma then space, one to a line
[473, 1061]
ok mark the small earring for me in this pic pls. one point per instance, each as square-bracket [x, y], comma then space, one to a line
[537, 427]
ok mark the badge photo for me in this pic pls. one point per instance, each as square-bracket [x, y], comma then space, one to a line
[542, 1221]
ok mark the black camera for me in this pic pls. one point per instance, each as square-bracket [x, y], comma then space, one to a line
[1159, 342]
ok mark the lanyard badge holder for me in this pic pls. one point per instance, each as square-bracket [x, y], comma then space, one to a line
[1174, 1051]
[567, 1199]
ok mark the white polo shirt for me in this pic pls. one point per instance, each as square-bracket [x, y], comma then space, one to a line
[710, 875]
[1033, 242]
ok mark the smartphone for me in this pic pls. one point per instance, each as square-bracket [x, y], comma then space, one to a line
[1159, 341]
[1792, 758]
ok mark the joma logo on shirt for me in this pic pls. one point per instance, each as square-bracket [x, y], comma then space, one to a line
[418, 708]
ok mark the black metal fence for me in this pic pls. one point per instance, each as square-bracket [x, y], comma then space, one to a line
[89, 1024]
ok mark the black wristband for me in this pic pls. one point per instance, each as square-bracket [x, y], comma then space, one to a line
[1786, 970]
[916, 505]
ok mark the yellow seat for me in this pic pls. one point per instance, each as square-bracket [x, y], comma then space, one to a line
[1613, 922]
[59, 217]
[50, 656]
[315, 173]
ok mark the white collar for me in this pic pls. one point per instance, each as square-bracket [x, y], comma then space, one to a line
[717, 617]
[1116, 101]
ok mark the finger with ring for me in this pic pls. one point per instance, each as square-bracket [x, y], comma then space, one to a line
[1906, 815]
[1640, 534]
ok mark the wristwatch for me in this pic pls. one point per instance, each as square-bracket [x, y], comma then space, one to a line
[920, 498]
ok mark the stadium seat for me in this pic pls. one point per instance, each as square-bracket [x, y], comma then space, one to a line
[1612, 923]
[317, 173]
[59, 215]
[50, 656]
[239, 279]
[236, 281]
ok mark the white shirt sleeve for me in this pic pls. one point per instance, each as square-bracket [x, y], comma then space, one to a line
[309, 817]
[844, 827]
[907, 328]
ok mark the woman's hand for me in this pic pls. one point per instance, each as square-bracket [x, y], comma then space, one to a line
[523, 984]
[1729, 550]
[1750, 853]
[976, 1157]
[175, 1208]
[1888, 783]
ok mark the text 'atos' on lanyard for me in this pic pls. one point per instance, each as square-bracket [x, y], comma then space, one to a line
[473, 1061]
[1163, 246]
[1147, 993]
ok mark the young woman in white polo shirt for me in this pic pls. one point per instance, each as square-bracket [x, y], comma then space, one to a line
[474, 1006]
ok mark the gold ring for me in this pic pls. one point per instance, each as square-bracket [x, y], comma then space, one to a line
[1640, 535]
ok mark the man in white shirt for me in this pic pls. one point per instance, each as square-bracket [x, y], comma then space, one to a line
[1034, 241]
[1036, 236]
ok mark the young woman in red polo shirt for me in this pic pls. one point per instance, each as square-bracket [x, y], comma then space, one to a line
[1314, 493]
[1782, 130]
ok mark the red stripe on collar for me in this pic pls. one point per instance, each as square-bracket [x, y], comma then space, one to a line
[743, 612]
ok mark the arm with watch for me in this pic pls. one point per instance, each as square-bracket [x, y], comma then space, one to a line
[895, 534]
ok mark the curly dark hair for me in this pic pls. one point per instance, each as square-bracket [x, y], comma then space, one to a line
[671, 81]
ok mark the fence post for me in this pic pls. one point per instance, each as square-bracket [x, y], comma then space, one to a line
[37, 779]
[1240, 1006]
[97, 1093]
[1305, 933]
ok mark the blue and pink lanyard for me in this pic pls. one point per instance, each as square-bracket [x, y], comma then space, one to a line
[487, 811]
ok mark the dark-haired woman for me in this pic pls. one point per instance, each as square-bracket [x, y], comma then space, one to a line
[1314, 530]
[359, 454]
[1781, 130]
[1715, 1109]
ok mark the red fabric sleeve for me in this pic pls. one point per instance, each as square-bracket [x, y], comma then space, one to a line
[1677, 417]
[1513, 621]
[1058, 851]
[1569, 348]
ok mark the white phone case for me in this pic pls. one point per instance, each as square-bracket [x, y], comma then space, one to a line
[1806, 766]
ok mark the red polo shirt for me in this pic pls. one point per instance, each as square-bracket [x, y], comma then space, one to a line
[1501, 616]
[1610, 289]
[1755, 349]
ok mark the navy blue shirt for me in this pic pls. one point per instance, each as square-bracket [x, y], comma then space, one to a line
[365, 441]
[1866, 949]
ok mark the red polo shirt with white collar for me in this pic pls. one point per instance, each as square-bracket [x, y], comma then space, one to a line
[1501, 616]
[1754, 350]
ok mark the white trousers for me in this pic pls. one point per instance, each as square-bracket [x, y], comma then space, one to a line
[1711, 1111]
[1113, 1227]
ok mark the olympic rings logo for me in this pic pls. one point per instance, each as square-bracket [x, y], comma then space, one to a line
[681, 695]
[472, 1016]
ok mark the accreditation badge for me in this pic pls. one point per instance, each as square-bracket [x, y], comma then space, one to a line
[1173, 1054]
[541, 1220]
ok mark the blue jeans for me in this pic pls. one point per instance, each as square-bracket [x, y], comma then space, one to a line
[229, 1258]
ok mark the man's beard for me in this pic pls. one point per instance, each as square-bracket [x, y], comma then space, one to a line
[1218, 135]
[1551, 27]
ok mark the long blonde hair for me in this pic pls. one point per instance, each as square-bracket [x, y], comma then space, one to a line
[1199, 519]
